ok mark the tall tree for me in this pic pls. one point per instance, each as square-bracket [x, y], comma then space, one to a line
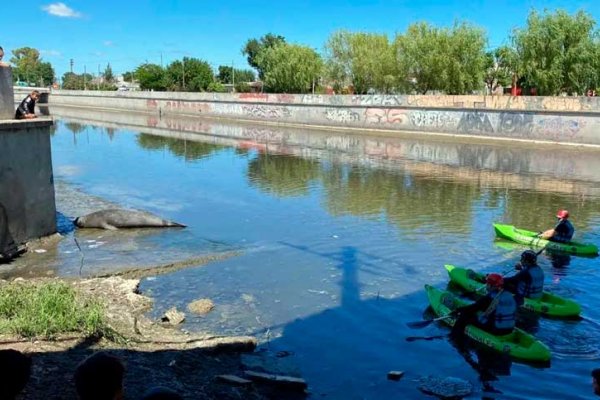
[151, 77]
[558, 52]
[189, 74]
[225, 75]
[108, 75]
[364, 60]
[290, 68]
[449, 60]
[254, 47]
[30, 68]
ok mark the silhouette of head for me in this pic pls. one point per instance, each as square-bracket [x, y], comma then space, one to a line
[100, 377]
[15, 368]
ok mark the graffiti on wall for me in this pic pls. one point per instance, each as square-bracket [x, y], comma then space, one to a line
[377, 100]
[515, 123]
[343, 115]
[432, 119]
[559, 127]
[475, 122]
[266, 111]
[384, 116]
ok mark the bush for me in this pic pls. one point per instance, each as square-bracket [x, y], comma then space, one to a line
[242, 87]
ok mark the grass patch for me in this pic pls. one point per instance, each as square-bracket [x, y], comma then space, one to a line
[47, 309]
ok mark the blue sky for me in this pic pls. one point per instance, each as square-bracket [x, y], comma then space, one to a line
[127, 33]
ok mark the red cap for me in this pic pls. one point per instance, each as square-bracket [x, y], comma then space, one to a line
[495, 280]
[564, 214]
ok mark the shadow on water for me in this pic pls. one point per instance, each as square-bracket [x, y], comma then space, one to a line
[338, 350]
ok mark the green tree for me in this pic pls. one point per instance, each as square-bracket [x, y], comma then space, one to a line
[151, 77]
[128, 77]
[30, 68]
[241, 75]
[190, 74]
[254, 47]
[558, 52]
[501, 67]
[108, 75]
[448, 60]
[290, 68]
[73, 81]
[363, 60]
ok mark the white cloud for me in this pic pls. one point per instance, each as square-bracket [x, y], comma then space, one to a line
[108, 43]
[61, 10]
[51, 53]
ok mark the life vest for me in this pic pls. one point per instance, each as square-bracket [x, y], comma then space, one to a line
[536, 285]
[564, 231]
[503, 315]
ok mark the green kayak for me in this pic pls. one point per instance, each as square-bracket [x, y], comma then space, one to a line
[517, 344]
[530, 238]
[549, 304]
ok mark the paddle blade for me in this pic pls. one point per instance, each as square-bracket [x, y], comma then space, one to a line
[419, 324]
[415, 338]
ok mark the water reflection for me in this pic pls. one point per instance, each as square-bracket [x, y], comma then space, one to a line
[282, 175]
[189, 150]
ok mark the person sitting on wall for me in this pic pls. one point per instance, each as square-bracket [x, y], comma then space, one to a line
[26, 109]
[2, 63]
[563, 231]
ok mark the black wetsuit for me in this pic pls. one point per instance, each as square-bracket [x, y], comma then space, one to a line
[27, 106]
[499, 321]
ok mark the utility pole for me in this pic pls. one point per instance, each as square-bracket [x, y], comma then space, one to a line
[84, 73]
[98, 81]
[183, 72]
[71, 62]
[161, 64]
[232, 77]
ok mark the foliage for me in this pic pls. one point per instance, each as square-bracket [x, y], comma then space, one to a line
[73, 81]
[45, 310]
[241, 75]
[242, 87]
[559, 52]
[501, 65]
[189, 74]
[448, 60]
[129, 76]
[290, 68]
[151, 77]
[216, 87]
[30, 68]
[108, 75]
[363, 60]
[254, 47]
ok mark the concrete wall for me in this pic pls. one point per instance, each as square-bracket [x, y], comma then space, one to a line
[554, 119]
[572, 170]
[27, 207]
[7, 107]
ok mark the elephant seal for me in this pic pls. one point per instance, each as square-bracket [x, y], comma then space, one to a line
[120, 218]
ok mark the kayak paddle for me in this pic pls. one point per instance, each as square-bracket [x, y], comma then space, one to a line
[423, 324]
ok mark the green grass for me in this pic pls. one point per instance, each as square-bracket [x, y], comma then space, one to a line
[45, 310]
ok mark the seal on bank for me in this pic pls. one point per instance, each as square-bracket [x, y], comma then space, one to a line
[120, 218]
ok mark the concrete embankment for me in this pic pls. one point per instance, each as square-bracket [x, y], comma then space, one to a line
[573, 169]
[567, 120]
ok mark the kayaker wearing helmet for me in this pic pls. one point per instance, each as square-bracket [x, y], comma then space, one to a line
[494, 312]
[529, 282]
[563, 231]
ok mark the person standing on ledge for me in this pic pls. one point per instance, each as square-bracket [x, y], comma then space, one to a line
[2, 63]
[26, 109]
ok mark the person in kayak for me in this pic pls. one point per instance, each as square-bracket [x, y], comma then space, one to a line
[529, 281]
[562, 232]
[495, 312]
[596, 381]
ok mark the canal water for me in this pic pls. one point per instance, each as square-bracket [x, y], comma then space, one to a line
[338, 234]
